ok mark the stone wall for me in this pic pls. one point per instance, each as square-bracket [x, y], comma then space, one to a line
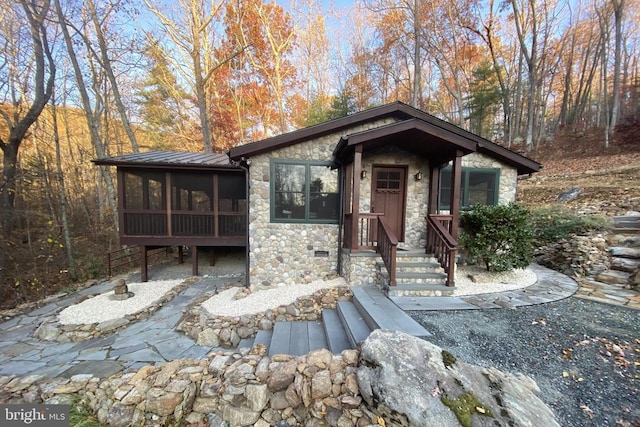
[351, 389]
[291, 253]
[227, 331]
[360, 268]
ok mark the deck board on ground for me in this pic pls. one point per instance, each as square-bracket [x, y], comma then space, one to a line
[383, 313]
[281, 338]
[337, 339]
[299, 342]
[355, 326]
[317, 339]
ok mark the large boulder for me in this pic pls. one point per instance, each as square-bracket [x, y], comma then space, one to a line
[412, 382]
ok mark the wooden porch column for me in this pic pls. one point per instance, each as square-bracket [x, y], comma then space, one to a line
[194, 260]
[456, 184]
[169, 204]
[355, 200]
[434, 187]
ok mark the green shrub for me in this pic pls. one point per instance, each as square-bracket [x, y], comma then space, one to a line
[500, 237]
[555, 223]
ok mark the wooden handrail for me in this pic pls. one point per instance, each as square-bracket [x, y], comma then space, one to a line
[387, 247]
[366, 232]
[441, 244]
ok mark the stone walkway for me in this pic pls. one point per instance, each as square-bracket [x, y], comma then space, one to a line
[155, 340]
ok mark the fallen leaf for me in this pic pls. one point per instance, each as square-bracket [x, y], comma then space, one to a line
[567, 353]
[481, 410]
[588, 412]
[381, 421]
[565, 374]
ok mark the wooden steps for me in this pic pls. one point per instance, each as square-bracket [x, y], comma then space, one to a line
[340, 329]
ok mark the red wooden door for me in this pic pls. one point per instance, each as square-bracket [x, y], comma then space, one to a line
[388, 196]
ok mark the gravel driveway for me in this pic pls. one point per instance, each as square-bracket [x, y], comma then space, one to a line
[584, 355]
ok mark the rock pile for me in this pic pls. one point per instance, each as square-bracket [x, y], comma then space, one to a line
[396, 380]
[580, 256]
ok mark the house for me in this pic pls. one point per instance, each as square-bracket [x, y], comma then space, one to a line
[355, 195]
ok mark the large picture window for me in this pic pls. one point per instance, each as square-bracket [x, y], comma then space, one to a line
[479, 187]
[303, 192]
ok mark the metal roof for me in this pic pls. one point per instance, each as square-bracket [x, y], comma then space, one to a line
[444, 131]
[169, 159]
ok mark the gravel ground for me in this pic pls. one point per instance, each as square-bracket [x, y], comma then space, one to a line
[584, 355]
[101, 308]
[225, 304]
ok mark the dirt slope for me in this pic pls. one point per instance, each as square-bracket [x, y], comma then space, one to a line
[606, 177]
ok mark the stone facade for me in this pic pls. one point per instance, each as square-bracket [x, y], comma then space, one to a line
[291, 253]
[508, 175]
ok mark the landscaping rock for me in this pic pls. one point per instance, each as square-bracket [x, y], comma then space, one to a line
[415, 383]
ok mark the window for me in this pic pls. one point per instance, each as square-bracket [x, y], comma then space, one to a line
[303, 192]
[479, 187]
[144, 190]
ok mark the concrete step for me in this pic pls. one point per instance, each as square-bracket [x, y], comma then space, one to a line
[413, 267]
[625, 264]
[354, 325]
[415, 278]
[297, 338]
[418, 290]
[337, 339]
[379, 312]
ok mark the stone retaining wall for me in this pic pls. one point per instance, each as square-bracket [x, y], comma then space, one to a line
[227, 331]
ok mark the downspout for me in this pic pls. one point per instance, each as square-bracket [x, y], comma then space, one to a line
[244, 165]
[340, 167]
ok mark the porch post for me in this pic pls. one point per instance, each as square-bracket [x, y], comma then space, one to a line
[194, 260]
[355, 199]
[434, 187]
[456, 177]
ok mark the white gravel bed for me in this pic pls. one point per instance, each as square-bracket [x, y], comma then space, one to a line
[486, 282]
[100, 308]
[224, 304]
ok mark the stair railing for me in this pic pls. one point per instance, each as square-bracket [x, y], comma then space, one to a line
[442, 245]
[387, 248]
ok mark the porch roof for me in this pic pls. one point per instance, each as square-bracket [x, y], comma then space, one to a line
[170, 160]
[414, 135]
[433, 134]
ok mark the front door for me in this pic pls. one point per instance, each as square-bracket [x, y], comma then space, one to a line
[388, 196]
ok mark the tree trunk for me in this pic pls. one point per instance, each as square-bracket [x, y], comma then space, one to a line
[92, 122]
[106, 65]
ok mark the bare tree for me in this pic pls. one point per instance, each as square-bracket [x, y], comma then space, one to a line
[92, 114]
[195, 33]
[106, 64]
[30, 85]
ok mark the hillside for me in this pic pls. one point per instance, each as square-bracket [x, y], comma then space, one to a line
[608, 178]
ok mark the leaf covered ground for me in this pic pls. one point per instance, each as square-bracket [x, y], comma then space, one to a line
[584, 355]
